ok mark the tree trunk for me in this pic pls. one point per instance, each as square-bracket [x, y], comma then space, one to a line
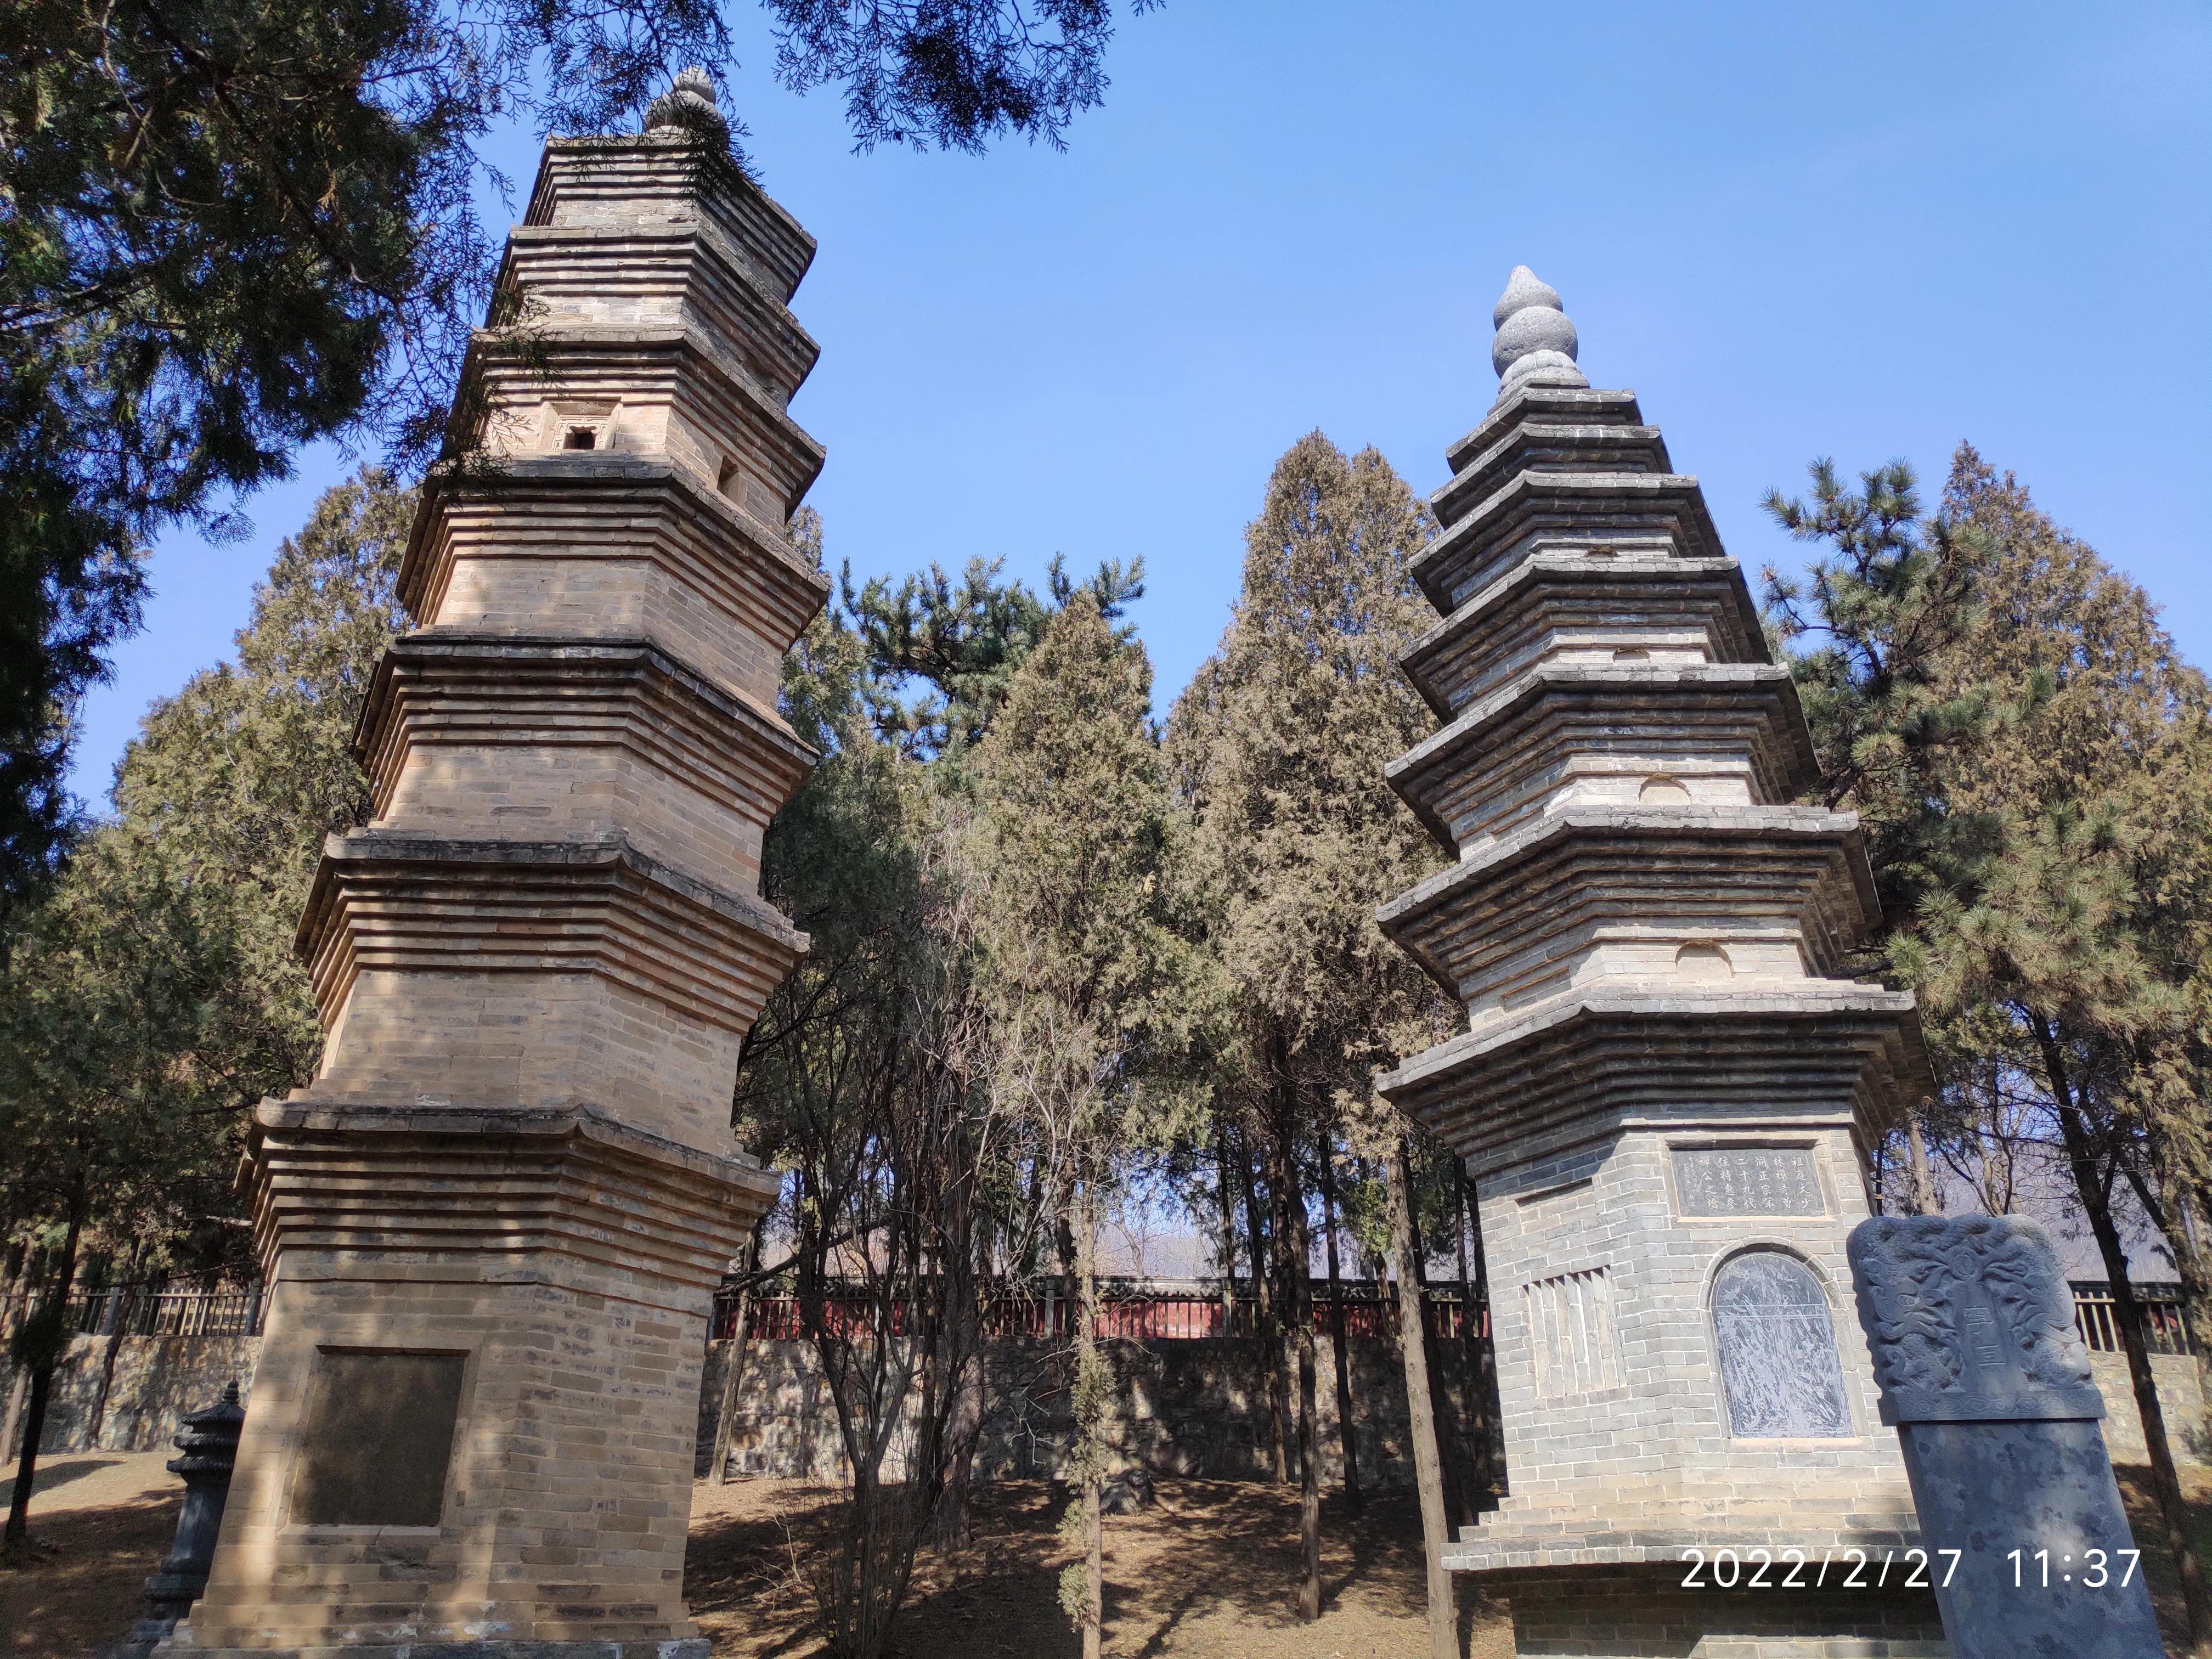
[733, 1358]
[1456, 1515]
[1088, 1361]
[1286, 1293]
[2193, 1261]
[964, 1421]
[1480, 1368]
[1924, 1202]
[1428, 1473]
[96, 1420]
[1227, 1245]
[1340, 1341]
[20, 1292]
[55, 1308]
[1267, 1344]
[2127, 1315]
[1296, 1256]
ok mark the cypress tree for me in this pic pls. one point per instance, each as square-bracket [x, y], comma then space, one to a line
[1279, 745]
[1082, 964]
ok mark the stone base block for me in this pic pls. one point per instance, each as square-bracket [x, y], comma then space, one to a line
[691, 1647]
[1643, 1611]
[473, 1414]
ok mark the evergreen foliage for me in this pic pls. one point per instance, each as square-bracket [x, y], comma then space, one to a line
[892, 1072]
[1875, 634]
[1279, 747]
[2031, 756]
[962, 641]
[152, 994]
[229, 228]
[1083, 967]
[1281, 744]
[921, 72]
[222, 802]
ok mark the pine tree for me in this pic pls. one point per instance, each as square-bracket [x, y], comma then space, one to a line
[2006, 712]
[962, 641]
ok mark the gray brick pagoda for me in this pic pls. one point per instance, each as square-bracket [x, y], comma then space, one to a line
[1667, 1087]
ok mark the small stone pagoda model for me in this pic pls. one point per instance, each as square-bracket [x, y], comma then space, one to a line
[495, 1221]
[208, 1443]
[1666, 1090]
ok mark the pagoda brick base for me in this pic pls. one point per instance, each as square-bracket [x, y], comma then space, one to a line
[1617, 1610]
[539, 1301]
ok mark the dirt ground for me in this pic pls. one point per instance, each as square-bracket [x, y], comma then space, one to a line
[1207, 1573]
[100, 1523]
[1210, 1572]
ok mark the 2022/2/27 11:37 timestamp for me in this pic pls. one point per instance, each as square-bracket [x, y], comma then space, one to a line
[1910, 1569]
[2094, 1569]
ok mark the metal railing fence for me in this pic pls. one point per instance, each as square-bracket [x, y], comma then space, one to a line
[159, 1307]
[1145, 1313]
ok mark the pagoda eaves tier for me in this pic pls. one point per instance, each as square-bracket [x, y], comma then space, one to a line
[1619, 779]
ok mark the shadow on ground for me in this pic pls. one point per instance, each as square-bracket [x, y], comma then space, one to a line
[1211, 1569]
[99, 1526]
[1209, 1572]
[56, 1471]
[2150, 1537]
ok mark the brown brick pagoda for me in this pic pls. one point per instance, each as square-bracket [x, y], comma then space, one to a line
[495, 1221]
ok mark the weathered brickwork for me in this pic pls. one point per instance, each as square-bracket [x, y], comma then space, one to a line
[510, 1188]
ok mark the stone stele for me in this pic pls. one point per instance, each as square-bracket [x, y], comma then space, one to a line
[1667, 1084]
[1972, 1327]
[495, 1221]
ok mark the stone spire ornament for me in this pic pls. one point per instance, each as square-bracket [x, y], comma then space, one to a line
[688, 105]
[1535, 343]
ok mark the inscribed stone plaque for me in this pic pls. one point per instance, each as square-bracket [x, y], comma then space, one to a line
[1747, 1180]
[379, 1435]
[1970, 1323]
[1777, 1341]
[1969, 1319]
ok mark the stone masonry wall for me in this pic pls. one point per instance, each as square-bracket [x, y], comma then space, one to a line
[1193, 1407]
[2179, 1393]
[1188, 1407]
[127, 1393]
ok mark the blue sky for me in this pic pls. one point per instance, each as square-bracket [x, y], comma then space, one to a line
[1853, 230]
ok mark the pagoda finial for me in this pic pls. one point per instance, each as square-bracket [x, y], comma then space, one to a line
[1535, 343]
[688, 105]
